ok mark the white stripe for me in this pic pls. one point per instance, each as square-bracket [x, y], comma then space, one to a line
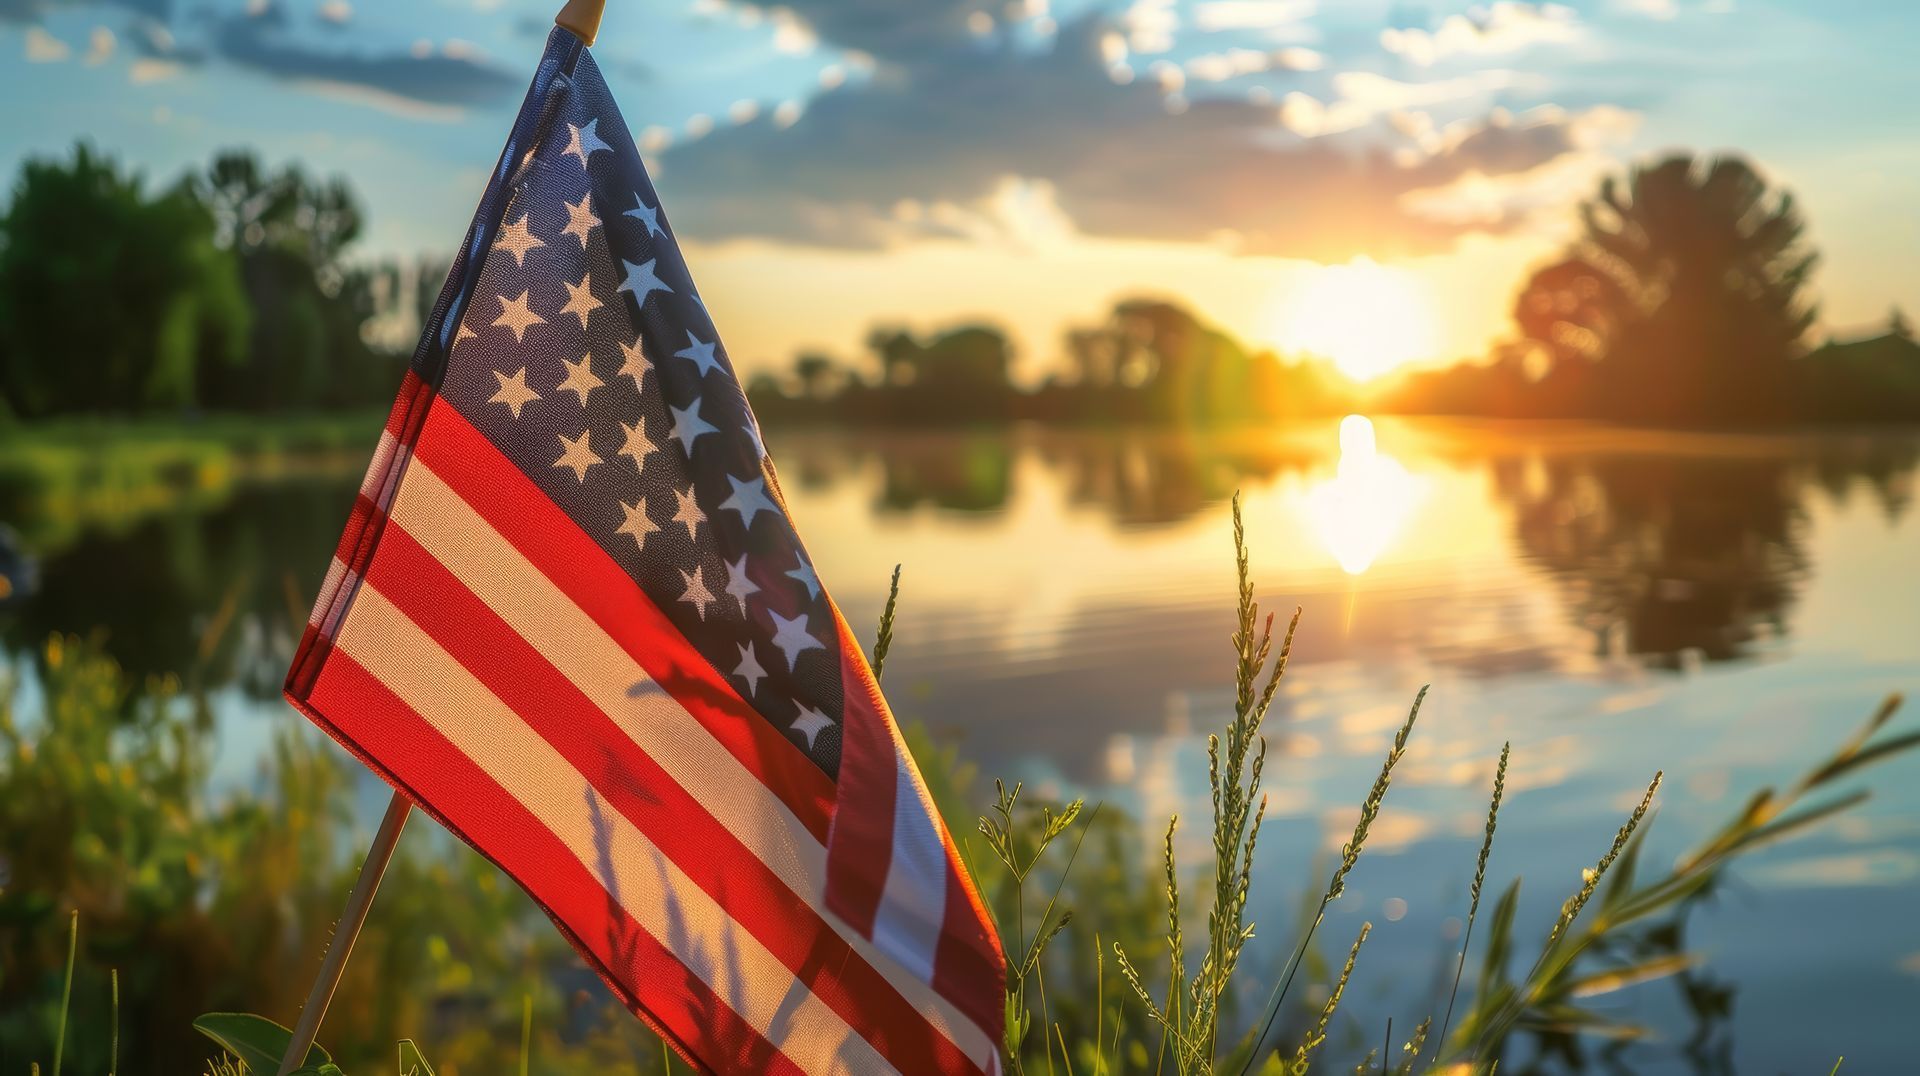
[383, 474]
[913, 904]
[659, 896]
[539, 612]
[323, 603]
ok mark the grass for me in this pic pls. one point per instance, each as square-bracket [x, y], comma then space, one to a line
[107, 798]
[66, 475]
[1618, 929]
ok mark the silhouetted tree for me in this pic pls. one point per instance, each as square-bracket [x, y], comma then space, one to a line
[1683, 293]
[110, 299]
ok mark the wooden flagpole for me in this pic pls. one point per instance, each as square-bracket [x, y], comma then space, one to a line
[348, 930]
[582, 19]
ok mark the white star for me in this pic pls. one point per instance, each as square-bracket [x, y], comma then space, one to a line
[753, 434]
[641, 281]
[749, 499]
[647, 213]
[689, 427]
[749, 669]
[580, 380]
[697, 593]
[577, 455]
[810, 723]
[584, 142]
[513, 391]
[580, 219]
[804, 573]
[515, 315]
[637, 522]
[580, 300]
[689, 513]
[638, 446]
[792, 638]
[462, 333]
[634, 364]
[738, 585]
[700, 353]
[518, 238]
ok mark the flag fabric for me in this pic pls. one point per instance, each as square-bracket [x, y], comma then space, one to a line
[571, 619]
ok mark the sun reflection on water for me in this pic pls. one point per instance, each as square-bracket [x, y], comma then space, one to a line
[1359, 512]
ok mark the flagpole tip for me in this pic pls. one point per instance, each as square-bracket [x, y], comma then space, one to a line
[581, 18]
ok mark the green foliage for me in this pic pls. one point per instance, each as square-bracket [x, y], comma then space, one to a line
[229, 290]
[1147, 361]
[110, 299]
[204, 900]
[257, 1042]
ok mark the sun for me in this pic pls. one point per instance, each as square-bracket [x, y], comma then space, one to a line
[1367, 318]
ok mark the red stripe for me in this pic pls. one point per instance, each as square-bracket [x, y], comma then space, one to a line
[362, 532]
[860, 849]
[647, 795]
[436, 775]
[968, 968]
[510, 502]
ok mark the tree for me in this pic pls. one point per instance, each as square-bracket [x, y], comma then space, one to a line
[290, 234]
[1683, 294]
[110, 300]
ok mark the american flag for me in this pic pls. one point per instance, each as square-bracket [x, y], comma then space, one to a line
[571, 619]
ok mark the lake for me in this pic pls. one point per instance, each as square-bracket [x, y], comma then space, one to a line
[1723, 607]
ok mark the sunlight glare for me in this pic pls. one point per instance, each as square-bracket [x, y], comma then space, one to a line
[1360, 510]
[1367, 318]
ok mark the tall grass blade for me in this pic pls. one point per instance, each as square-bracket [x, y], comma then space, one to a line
[1349, 856]
[1319, 1033]
[66, 993]
[526, 1032]
[1479, 879]
[883, 640]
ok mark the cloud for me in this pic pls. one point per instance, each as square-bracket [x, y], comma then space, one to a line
[100, 45]
[1652, 9]
[949, 120]
[1504, 27]
[44, 48]
[450, 78]
[1235, 62]
[1219, 15]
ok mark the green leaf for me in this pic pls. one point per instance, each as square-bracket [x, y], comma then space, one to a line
[258, 1041]
[1493, 969]
[411, 1062]
[328, 1069]
[1612, 979]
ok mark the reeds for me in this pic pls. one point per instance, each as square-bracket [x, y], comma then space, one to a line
[1602, 917]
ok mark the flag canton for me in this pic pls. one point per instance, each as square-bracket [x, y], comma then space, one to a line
[585, 354]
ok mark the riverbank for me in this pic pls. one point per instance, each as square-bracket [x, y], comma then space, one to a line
[59, 477]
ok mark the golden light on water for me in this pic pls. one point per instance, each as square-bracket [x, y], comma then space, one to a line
[1367, 318]
[1360, 510]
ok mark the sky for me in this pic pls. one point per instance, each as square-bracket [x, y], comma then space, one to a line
[1368, 179]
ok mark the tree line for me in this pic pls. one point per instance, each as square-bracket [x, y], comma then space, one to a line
[231, 289]
[1683, 300]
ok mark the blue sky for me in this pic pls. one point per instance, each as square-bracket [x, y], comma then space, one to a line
[830, 163]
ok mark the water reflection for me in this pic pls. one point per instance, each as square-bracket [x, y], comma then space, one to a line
[1366, 503]
[1068, 597]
